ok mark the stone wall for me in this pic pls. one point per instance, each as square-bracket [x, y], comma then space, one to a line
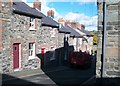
[16, 30]
[112, 58]
[50, 40]
[4, 12]
[0, 36]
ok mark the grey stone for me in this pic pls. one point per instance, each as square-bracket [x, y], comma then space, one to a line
[113, 33]
[113, 73]
[113, 23]
[112, 38]
[116, 68]
[112, 7]
[114, 59]
[109, 27]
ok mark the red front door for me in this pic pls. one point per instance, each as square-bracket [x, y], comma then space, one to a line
[15, 55]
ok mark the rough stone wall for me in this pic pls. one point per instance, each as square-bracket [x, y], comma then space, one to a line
[1, 47]
[4, 13]
[60, 40]
[16, 30]
[112, 58]
[48, 37]
[50, 40]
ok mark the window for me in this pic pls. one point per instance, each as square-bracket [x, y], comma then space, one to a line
[32, 23]
[53, 32]
[31, 50]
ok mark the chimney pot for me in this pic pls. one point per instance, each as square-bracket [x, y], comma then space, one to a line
[50, 13]
[37, 5]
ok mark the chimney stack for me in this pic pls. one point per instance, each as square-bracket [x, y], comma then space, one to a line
[78, 25]
[73, 24]
[82, 26]
[61, 21]
[50, 13]
[37, 5]
[68, 22]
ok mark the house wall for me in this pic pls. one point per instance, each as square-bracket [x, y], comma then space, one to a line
[90, 44]
[82, 45]
[16, 30]
[48, 42]
[1, 30]
[72, 42]
[112, 57]
[1, 47]
[48, 37]
[51, 41]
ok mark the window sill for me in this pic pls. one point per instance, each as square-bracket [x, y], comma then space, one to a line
[53, 36]
[32, 29]
[32, 57]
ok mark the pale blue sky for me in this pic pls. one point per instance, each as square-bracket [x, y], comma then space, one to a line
[89, 9]
[82, 11]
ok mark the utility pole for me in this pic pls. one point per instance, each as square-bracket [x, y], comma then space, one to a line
[103, 40]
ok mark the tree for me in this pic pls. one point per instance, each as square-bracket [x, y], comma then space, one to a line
[95, 37]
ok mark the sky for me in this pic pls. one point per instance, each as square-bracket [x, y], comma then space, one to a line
[82, 11]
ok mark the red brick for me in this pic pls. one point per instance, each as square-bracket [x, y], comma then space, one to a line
[32, 40]
[36, 23]
[28, 23]
[16, 41]
[112, 52]
[37, 5]
[0, 5]
[0, 23]
[1, 37]
[1, 46]
[1, 30]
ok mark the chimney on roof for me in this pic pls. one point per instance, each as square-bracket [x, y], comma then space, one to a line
[50, 13]
[73, 24]
[82, 26]
[37, 5]
[61, 21]
[68, 22]
[77, 25]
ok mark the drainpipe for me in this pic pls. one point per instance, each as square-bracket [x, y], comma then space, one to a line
[103, 40]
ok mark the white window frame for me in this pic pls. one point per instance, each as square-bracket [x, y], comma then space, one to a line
[53, 33]
[32, 23]
[32, 50]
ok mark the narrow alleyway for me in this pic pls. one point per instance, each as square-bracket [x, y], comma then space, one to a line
[59, 76]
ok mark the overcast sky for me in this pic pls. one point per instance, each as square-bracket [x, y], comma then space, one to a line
[82, 11]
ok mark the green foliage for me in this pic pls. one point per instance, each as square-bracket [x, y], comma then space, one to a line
[95, 37]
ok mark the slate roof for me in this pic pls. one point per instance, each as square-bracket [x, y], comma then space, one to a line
[73, 32]
[47, 21]
[64, 29]
[87, 33]
[23, 9]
